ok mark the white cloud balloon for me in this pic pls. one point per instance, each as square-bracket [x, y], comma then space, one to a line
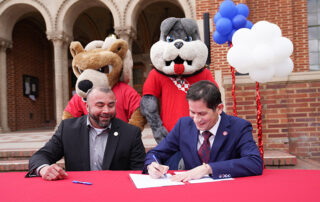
[262, 52]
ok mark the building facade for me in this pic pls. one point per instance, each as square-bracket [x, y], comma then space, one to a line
[37, 79]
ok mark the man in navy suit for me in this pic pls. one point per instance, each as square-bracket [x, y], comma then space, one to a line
[210, 141]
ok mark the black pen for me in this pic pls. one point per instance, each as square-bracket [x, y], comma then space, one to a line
[155, 158]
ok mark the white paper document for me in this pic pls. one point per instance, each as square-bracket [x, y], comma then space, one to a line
[145, 181]
[205, 178]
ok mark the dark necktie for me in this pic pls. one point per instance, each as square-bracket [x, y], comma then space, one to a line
[204, 150]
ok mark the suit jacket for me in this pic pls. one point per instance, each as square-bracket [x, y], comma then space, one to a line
[233, 154]
[71, 141]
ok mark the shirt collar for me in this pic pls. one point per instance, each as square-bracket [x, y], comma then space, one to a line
[214, 129]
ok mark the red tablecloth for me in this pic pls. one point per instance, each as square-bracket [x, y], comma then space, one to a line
[273, 185]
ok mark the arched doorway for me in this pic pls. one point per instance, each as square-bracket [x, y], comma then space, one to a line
[30, 76]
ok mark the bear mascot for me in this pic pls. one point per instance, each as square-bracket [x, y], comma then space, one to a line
[179, 59]
[108, 64]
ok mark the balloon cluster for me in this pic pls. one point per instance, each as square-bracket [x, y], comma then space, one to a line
[229, 19]
[261, 51]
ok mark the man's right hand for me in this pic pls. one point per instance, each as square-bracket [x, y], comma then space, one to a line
[52, 172]
[156, 170]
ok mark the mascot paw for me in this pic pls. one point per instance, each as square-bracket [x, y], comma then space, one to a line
[160, 133]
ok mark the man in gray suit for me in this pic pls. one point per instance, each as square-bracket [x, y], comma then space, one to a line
[97, 141]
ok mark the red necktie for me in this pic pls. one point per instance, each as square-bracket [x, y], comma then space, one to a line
[204, 150]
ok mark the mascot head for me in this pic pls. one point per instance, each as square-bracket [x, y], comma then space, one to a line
[101, 63]
[179, 52]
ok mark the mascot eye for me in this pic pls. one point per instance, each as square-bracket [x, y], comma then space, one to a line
[188, 38]
[169, 39]
[106, 69]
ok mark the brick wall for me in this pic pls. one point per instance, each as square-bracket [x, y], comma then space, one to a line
[31, 55]
[290, 110]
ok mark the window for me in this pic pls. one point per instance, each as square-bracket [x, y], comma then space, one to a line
[314, 34]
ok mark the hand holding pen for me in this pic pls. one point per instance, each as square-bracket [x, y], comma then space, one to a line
[156, 170]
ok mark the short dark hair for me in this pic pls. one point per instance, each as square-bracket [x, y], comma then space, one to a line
[207, 91]
[100, 89]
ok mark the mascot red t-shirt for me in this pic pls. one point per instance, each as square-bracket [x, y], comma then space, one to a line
[172, 93]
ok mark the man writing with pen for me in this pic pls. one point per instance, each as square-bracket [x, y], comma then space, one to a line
[210, 141]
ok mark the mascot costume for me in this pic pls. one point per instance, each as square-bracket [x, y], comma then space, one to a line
[179, 58]
[108, 64]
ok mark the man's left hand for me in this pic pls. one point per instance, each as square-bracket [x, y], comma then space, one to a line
[196, 173]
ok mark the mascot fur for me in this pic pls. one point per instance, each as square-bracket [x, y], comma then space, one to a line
[179, 58]
[108, 64]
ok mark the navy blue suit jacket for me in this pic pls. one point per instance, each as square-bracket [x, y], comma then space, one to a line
[234, 153]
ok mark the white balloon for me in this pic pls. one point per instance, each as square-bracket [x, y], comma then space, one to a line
[263, 56]
[243, 37]
[282, 48]
[262, 75]
[283, 68]
[239, 58]
[266, 31]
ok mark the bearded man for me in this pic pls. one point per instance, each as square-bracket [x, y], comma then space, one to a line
[97, 141]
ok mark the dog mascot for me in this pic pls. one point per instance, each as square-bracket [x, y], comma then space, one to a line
[179, 59]
[109, 64]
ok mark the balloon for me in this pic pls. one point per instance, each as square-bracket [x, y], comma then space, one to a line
[224, 26]
[266, 30]
[218, 38]
[243, 9]
[262, 75]
[283, 68]
[248, 24]
[243, 37]
[217, 16]
[239, 21]
[282, 48]
[239, 58]
[262, 56]
[230, 35]
[228, 9]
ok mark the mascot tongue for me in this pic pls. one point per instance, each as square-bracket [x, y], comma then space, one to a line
[178, 68]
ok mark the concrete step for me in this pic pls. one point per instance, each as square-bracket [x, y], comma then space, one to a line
[279, 158]
[17, 154]
[19, 165]
[17, 160]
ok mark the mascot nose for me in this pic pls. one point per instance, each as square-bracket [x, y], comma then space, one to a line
[85, 85]
[178, 44]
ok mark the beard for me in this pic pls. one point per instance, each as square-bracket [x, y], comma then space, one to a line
[102, 120]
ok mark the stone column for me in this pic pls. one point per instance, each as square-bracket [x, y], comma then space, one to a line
[60, 44]
[4, 44]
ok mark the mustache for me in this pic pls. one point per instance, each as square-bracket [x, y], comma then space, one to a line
[105, 115]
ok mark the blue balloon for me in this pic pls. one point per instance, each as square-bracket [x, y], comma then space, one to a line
[243, 9]
[218, 38]
[217, 16]
[224, 26]
[228, 9]
[239, 21]
[229, 38]
[248, 24]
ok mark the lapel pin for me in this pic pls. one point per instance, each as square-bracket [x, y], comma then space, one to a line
[225, 133]
[116, 134]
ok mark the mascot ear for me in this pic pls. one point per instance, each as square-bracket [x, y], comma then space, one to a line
[119, 47]
[75, 48]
